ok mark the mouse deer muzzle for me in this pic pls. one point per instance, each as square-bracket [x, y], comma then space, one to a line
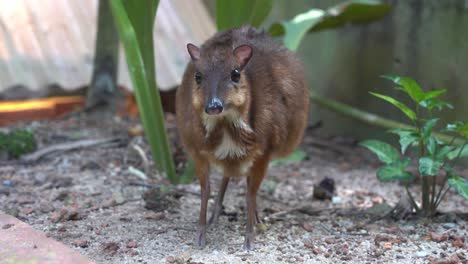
[214, 106]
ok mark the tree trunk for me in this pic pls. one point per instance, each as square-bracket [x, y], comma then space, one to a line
[103, 92]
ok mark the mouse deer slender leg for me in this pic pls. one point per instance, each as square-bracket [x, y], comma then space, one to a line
[219, 201]
[202, 169]
[254, 179]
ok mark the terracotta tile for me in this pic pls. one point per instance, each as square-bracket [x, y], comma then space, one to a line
[20, 243]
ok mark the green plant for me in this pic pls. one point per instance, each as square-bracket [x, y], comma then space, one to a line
[17, 142]
[135, 20]
[434, 158]
[349, 12]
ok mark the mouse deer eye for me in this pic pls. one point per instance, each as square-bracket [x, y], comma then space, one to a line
[235, 75]
[198, 77]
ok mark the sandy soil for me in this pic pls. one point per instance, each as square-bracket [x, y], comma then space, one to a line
[91, 200]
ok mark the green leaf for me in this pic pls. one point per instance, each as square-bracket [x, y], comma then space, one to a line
[395, 171]
[385, 152]
[407, 137]
[434, 103]
[459, 127]
[460, 184]
[442, 153]
[350, 12]
[230, 14]
[434, 94]
[461, 150]
[296, 156]
[429, 166]
[408, 85]
[135, 21]
[431, 145]
[427, 128]
[408, 112]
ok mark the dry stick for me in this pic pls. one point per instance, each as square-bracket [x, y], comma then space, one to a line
[59, 148]
[367, 117]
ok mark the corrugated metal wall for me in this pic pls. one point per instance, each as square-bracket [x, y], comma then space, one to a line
[52, 41]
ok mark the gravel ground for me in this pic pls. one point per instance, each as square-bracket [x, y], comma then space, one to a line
[91, 200]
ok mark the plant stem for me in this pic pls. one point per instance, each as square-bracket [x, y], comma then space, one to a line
[367, 117]
[442, 197]
[415, 205]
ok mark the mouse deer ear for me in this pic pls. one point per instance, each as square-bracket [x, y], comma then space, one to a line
[243, 53]
[194, 51]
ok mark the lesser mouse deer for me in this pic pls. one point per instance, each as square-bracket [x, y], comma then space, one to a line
[243, 101]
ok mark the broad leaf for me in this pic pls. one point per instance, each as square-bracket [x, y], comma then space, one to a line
[296, 156]
[409, 86]
[385, 152]
[434, 103]
[442, 153]
[460, 184]
[350, 12]
[434, 94]
[395, 171]
[427, 128]
[408, 112]
[407, 137]
[429, 166]
[461, 151]
[230, 14]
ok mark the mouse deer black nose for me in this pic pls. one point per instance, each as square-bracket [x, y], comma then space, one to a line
[214, 106]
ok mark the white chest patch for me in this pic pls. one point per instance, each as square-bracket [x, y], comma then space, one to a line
[229, 148]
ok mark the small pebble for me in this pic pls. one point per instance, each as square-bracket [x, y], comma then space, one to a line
[421, 254]
[132, 244]
[6, 226]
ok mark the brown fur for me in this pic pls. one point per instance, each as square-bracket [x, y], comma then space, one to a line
[265, 113]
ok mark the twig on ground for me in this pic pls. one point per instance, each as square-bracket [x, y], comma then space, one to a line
[68, 146]
[144, 158]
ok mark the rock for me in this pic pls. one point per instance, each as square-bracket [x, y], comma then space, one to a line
[458, 242]
[307, 227]
[422, 254]
[317, 251]
[8, 183]
[336, 200]
[132, 252]
[325, 189]
[183, 257]
[450, 260]
[154, 216]
[4, 191]
[66, 215]
[110, 248]
[58, 216]
[438, 237]
[132, 244]
[329, 240]
[82, 243]
[7, 226]
[449, 225]
[387, 246]
[170, 259]
[379, 209]
[61, 196]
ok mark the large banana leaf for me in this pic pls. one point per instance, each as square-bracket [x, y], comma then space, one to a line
[235, 13]
[135, 20]
[350, 12]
